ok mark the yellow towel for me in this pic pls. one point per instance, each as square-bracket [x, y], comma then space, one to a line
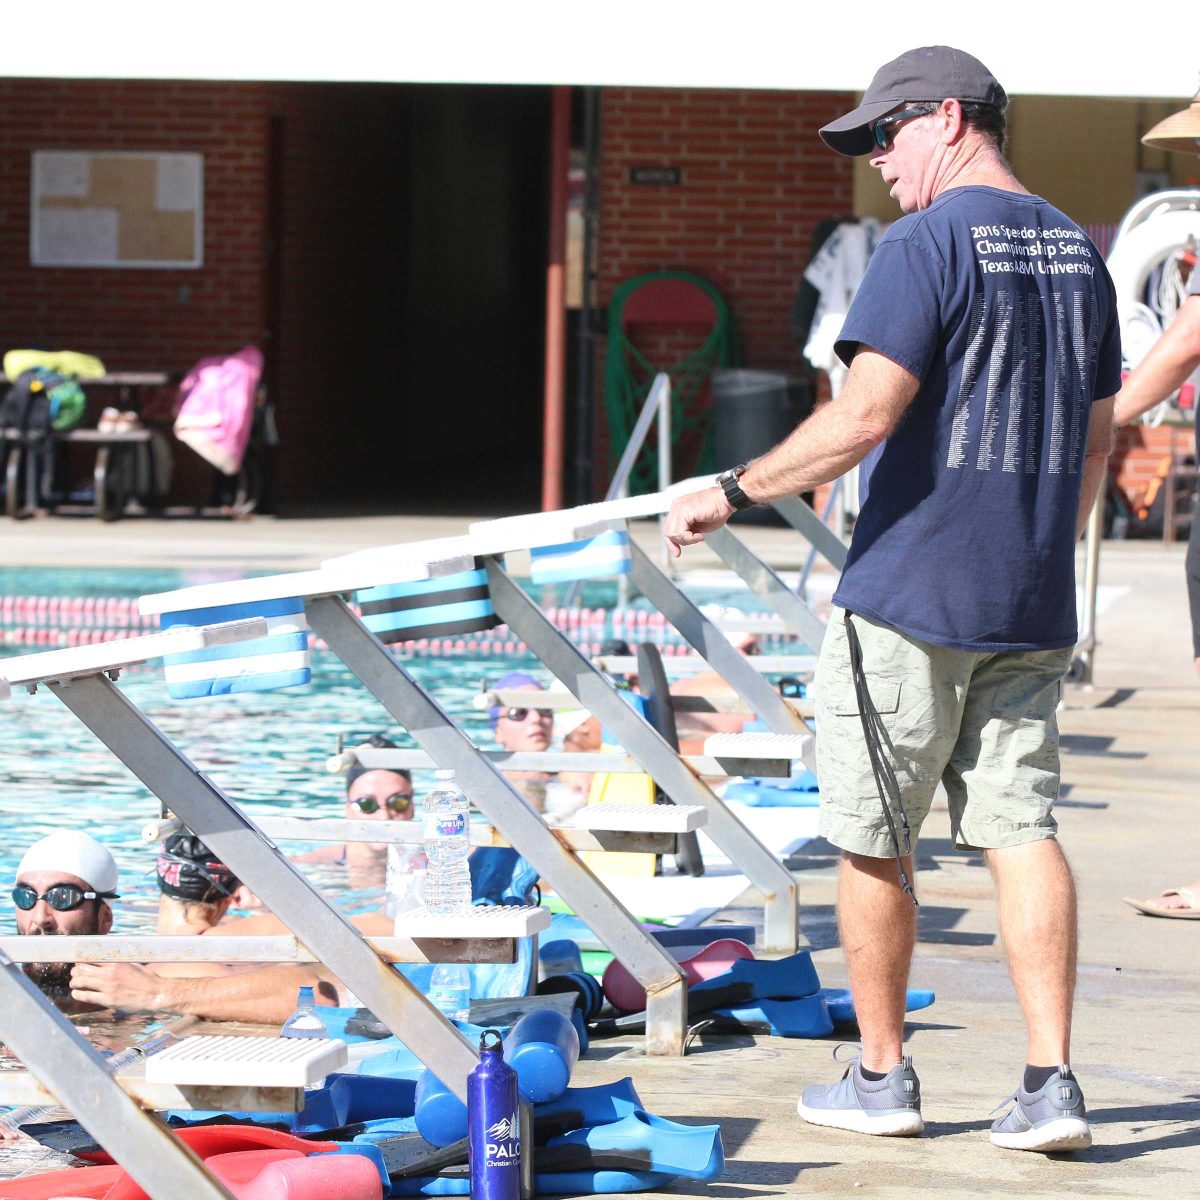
[65, 362]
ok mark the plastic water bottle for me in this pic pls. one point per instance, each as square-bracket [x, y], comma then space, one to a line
[403, 886]
[493, 1124]
[447, 887]
[450, 990]
[304, 1022]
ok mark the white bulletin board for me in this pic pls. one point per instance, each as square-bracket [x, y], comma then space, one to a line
[116, 208]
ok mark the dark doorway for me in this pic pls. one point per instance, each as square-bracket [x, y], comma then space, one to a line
[412, 251]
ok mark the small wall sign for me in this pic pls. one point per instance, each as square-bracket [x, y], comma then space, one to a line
[656, 176]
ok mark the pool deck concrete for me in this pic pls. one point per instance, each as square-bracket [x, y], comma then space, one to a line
[1128, 818]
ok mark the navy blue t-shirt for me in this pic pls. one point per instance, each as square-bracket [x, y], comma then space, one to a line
[1004, 310]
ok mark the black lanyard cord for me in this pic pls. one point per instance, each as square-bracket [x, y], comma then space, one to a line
[881, 767]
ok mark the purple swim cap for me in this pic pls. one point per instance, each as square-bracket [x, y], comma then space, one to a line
[514, 679]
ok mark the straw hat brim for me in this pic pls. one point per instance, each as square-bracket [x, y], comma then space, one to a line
[1179, 132]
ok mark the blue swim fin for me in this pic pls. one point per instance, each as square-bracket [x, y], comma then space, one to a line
[653, 1143]
[770, 979]
[841, 1004]
[599, 1105]
[806, 1017]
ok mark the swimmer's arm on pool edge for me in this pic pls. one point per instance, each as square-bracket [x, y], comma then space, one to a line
[261, 994]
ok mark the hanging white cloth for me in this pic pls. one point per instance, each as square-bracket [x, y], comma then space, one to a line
[836, 271]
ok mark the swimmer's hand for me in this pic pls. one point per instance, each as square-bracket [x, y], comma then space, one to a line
[126, 986]
[694, 515]
[9, 1136]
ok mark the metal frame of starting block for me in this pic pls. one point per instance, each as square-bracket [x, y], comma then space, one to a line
[596, 692]
[56, 1055]
[766, 584]
[84, 684]
[331, 618]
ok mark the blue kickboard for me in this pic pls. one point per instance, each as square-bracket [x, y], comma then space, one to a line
[797, 791]
[787, 978]
[841, 1004]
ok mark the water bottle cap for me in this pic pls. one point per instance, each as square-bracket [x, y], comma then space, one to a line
[305, 996]
[496, 1045]
[443, 774]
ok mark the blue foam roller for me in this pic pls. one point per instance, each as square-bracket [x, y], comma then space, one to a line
[441, 1116]
[580, 1029]
[542, 1048]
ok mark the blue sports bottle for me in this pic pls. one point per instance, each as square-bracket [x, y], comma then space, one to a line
[493, 1124]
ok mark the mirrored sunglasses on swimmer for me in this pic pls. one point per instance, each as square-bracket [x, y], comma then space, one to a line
[517, 715]
[397, 802]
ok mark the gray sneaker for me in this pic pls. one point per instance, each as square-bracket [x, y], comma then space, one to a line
[890, 1107]
[1051, 1120]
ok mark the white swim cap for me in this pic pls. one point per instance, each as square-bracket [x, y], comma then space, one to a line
[74, 853]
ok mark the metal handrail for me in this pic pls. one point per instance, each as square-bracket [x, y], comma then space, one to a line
[658, 400]
[658, 403]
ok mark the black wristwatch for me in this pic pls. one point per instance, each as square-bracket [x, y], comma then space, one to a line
[733, 489]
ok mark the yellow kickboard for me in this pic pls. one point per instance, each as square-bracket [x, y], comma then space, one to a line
[620, 789]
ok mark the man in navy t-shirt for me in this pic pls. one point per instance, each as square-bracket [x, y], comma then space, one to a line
[984, 355]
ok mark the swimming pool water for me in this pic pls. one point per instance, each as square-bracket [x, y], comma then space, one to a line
[265, 750]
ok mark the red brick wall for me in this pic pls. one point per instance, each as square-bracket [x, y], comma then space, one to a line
[131, 318]
[756, 181]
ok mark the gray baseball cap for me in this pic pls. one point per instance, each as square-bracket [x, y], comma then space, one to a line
[927, 74]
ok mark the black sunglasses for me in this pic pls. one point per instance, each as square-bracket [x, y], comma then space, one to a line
[397, 802]
[519, 714]
[882, 130]
[62, 897]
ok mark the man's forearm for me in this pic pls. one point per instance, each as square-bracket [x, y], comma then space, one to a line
[1165, 368]
[838, 435]
[266, 995]
[817, 451]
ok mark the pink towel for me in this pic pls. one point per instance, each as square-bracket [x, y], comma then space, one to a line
[218, 407]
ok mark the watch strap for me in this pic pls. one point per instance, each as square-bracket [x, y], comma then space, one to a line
[730, 485]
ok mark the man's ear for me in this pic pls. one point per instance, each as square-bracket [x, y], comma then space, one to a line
[954, 122]
[105, 919]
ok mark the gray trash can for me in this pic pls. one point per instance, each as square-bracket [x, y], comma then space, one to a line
[752, 410]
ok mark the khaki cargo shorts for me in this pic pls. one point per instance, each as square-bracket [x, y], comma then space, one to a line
[984, 725]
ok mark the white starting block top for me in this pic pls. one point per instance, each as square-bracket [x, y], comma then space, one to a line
[102, 657]
[481, 921]
[758, 745]
[404, 553]
[642, 818]
[572, 524]
[413, 563]
[247, 1061]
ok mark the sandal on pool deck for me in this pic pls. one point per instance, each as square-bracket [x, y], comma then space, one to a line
[1152, 908]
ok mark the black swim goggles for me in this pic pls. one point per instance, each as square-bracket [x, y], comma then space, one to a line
[397, 802]
[62, 897]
